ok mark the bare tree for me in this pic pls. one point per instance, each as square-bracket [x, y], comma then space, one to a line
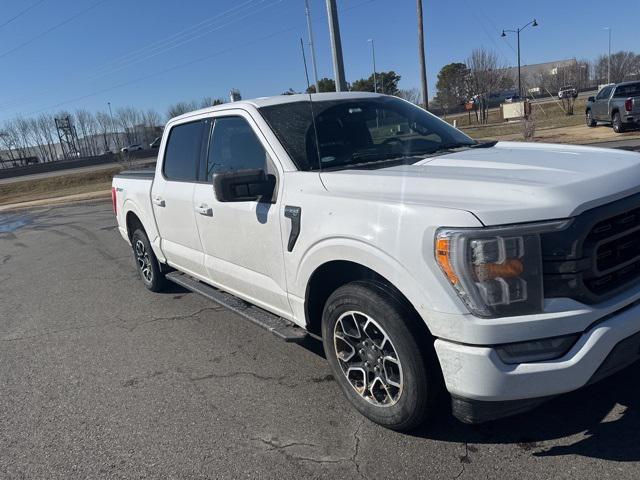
[47, 128]
[624, 66]
[103, 119]
[128, 119]
[180, 108]
[485, 76]
[410, 94]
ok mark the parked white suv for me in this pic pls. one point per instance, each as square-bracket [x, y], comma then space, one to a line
[502, 273]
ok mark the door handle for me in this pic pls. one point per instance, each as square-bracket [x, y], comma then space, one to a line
[204, 210]
[157, 200]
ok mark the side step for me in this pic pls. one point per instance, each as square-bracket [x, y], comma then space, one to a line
[281, 328]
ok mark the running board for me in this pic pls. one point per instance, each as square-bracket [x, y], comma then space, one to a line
[281, 328]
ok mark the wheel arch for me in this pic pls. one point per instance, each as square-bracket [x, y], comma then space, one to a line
[133, 216]
[327, 268]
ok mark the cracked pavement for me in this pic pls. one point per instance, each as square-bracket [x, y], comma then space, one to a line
[100, 378]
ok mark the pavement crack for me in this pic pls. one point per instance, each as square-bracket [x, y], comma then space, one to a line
[356, 449]
[54, 332]
[464, 459]
[277, 446]
[257, 376]
[175, 317]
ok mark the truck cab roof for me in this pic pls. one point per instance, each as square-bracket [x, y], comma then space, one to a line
[282, 99]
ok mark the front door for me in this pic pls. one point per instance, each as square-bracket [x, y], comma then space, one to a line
[172, 197]
[242, 241]
[601, 105]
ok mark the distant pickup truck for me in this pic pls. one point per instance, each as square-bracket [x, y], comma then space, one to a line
[618, 105]
[500, 275]
[567, 91]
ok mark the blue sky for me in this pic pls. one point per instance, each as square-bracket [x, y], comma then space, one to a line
[68, 54]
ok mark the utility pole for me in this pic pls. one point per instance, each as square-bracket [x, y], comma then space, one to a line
[336, 46]
[311, 46]
[373, 54]
[423, 68]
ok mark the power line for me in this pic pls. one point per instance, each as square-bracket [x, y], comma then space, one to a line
[113, 63]
[22, 12]
[175, 36]
[181, 42]
[51, 29]
[184, 64]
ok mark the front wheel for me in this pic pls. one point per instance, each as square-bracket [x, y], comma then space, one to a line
[146, 262]
[618, 126]
[380, 355]
[590, 121]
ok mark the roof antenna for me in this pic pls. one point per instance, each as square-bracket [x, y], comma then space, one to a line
[313, 116]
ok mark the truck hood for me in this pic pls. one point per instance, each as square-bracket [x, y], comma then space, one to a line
[512, 182]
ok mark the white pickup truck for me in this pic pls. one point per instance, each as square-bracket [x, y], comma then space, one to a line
[502, 273]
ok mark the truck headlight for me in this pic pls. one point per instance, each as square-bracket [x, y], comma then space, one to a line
[496, 271]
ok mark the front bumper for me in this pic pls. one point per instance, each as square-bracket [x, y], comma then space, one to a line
[484, 388]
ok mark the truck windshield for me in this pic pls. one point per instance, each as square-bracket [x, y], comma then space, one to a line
[355, 132]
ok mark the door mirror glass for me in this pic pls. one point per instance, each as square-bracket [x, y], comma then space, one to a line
[244, 186]
[591, 99]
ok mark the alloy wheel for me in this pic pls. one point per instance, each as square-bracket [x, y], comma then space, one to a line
[368, 358]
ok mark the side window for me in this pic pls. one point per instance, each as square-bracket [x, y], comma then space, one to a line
[182, 153]
[604, 93]
[234, 146]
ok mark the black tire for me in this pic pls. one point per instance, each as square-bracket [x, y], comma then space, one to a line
[590, 121]
[146, 262]
[617, 124]
[418, 371]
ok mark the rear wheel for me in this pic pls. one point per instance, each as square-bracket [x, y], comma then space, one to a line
[146, 262]
[380, 355]
[618, 126]
[590, 121]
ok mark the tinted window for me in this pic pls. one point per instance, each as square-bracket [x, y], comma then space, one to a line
[234, 146]
[182, 153]
[604, 93]
[631, 90]
[358, 131]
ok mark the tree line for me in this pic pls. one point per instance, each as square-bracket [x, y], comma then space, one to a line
[481, 76]
[95, 133]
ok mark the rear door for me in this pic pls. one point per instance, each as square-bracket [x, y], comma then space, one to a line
[242, 241]
[172, 197]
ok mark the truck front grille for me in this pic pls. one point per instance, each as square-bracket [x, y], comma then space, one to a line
[616, 246]
[598, 256]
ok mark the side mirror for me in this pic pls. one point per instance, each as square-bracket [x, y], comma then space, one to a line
[243, 186]
[591, 99]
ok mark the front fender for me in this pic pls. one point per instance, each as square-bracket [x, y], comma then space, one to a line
[357, 251]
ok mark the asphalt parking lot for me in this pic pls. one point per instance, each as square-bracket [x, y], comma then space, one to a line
[100, 378]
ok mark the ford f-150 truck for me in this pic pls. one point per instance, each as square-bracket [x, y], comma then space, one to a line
[498, 274]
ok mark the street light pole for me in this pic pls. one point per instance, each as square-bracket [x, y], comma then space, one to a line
[373, 53]
[112, 124]
[609, 57]
[517, 31]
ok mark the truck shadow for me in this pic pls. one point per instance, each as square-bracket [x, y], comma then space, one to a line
[588, 412]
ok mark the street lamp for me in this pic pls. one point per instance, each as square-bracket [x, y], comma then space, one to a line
[373, 54]
[115, 142]
[517, 31]
[609, 57]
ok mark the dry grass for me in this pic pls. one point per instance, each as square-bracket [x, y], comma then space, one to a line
[57, 186]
